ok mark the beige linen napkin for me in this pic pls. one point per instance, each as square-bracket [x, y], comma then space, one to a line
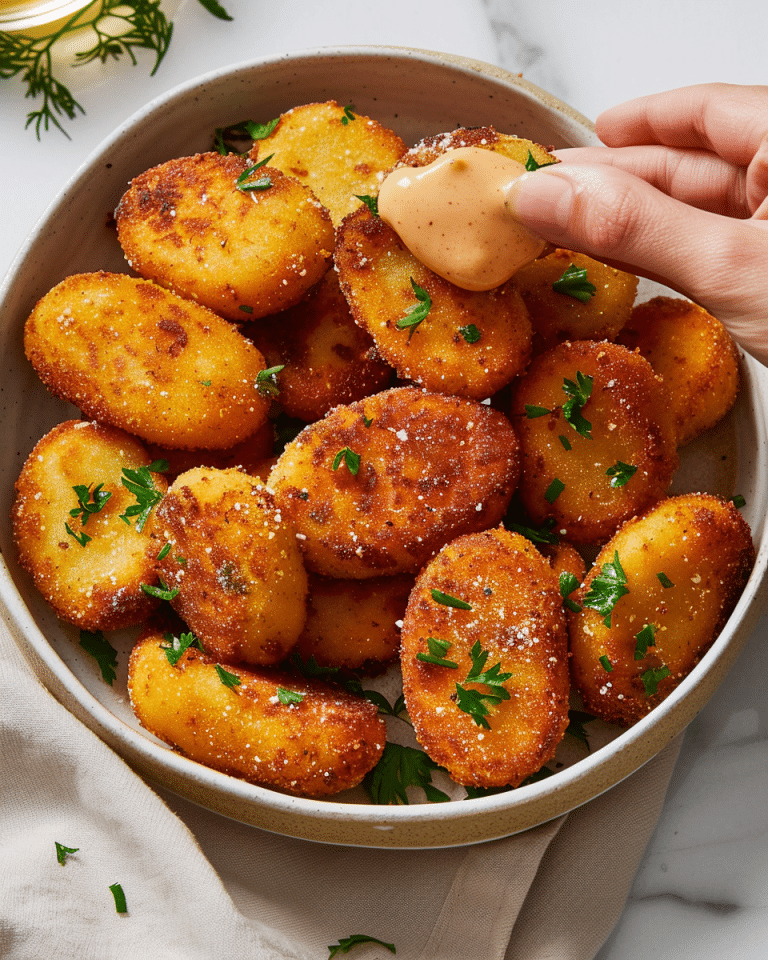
[200, 887]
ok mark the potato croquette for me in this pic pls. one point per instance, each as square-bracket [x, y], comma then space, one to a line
[490, 702]
[465, 343]
[353, 624]
[335, 151]
[694, 354]
[327, 358]
[87, 561]
[244, 244]
[232, 564]
[673, 577]
[557, 314]
[377, 487]
[128, 353]
[250, 454]
[597, 438]
[487, 138]
[269, 728]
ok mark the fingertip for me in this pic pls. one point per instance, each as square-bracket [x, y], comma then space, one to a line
[543, 202]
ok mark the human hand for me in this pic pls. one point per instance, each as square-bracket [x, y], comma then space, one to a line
[680, 195]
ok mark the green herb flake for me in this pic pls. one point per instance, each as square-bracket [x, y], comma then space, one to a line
[387, 709]
[367, 421]
[620, 473]
[163, 592]
[415, 314]
[437, 651]
[739, 501]
[606, 664]
[607, 588]
[448, 601]
[532, 411]
[565, 442]
[348, 114]
[475, 702]
[289, 697]
[310, 667]
[266, 381]
[568, 583]
[651, 679]
[578, 393]
[245, 184]
[230, 680]
[245, 308]
[175, 648]
[214, 7]
[96, 644]
[644, 639]
[574, 283]
[665, 581]
[63, 852]
[82, 537]
[470, 333]
[542, 534]
[350, 458]
[399, 768]
[532, 163]
[142, 486]
[577, 720]
[371, 202]
[237, 131]
[117, 893]
[164, 552]
[345, 944]
[90, 500]
[554, 490]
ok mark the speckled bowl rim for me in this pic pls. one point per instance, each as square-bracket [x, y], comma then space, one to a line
[424, 825]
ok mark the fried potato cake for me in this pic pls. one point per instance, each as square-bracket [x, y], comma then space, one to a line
[244, 241]
[128, 353]
[378, 486]
[695, 355]
[354, 624]
[485, 659]
[335, 151]
[597, 438]
[326, 358]
[592, 303]
[87, 561]
[269, 728]
[487, 138]
[232, 564]
[462, 342]
[658, 595]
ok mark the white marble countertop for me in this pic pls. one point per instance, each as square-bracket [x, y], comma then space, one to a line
[702, 889]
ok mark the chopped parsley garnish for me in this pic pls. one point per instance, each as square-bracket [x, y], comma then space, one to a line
[82, 537]
[473, 701]
[645, 638]
[568, 583]
[164, 552]
[175, 648]
[606, 664]
[117, 893]
[532, 163]
[310, 667]
[651, 679]
[288, 697]
[542, 534]
[574, 283]
[620, 473]
[102, 651]
[62, 852]
[245, 308]
[244, 182]
[266, 381]
[554, 490]
[245, 128]
[577, 719]
[214, 7]
[448, 601]
[416, 313]
[163, 592]
[348, 114]
[470, 333]
[387, 709]
[565, 442]
[437, 651]
[230, 680]
[367, 421]
[739, 501]
[607, 588]
[371, 202]
[665, 581]
[90, 500]
[350, 458]
[345, 944]
[532, 411]
[399, 768]
[578, 393]
[142, 486]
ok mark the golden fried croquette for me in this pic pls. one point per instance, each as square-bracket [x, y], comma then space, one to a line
[695, 355]
[597, 438]
[250, 454]
[563, 558]
[486, 138]
[243, 244]
[87, 561]
[335, 151]
[377, 487]
[510, 630]
[128, 353]
[656, 598]
[353, 624]
[241, 583]
[557, 315]
[327, 358]
[467, 343]
[270, 728]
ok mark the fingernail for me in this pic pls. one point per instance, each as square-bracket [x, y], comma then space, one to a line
[541, 200]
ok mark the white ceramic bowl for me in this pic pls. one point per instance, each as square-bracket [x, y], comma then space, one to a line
[417, 93]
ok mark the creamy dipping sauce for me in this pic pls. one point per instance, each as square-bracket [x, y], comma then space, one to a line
[451, 215]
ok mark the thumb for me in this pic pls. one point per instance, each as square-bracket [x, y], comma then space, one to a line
[614, 216]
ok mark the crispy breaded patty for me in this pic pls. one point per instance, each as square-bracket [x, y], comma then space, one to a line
[487, 138]
[468, 343]
[335, 151]
[270, 728]
[128, 353]
[430, 467]
[87, 562]
[502, 722]
[240, 579]
[682, 567]
[597, 438]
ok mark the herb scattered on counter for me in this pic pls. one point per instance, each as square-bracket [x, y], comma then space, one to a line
[415, 314]
[144, 27]
[645, 638]
[554, 490]
[651, 678]
[142, 486]
[345, 944]
[348, 114]
[175, 648]
[62, 852]
[578, 393]
[230, 680]
[350, 458]
[102, 651]
[266, 381]
[448, 601]
[568, 583]
[117, 893]
[620, 473]
[371, 202]
[665, 581]
[437, 651]
[607, 588]
[470, 333]
[399, 768]
[574, 283]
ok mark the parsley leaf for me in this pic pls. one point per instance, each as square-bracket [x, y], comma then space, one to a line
[89, 501]
[577, 719]
[399, 768]
[739, 501]
[371, 202]
[418, 312]
[142, 486]
[163, 592]
[554, 490]
[437, 651]
[542, 534]
[102, 651]
[574, 283]
[473, 701]
[311, 668]
[350, 458]
[288, 697]
[621, 473]
[568, 583]
[244, 183]
[214, 7]
[348, 115]
[223, 136]
[565, 442]
[470, 333]
[176, 647]
[606, 664]
[354, 685]
[266, 381]
[62, 851]
[230, 680]
[345, 944]
[117, 893]
[578, 392]
[532, 163]
[645, 638]
[448, 601]
[607, 588]
[82, 537]
[665, 581]
[651, 679]
[532, 411]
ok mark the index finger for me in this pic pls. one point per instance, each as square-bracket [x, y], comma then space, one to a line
[726, 119]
